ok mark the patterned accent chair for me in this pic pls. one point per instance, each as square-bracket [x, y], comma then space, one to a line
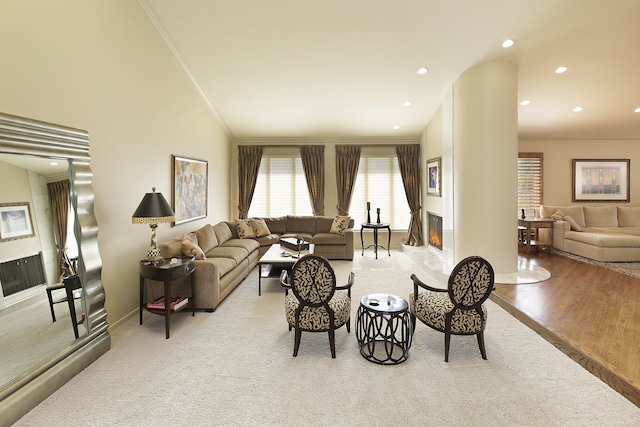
[459, 309]
[313, 305]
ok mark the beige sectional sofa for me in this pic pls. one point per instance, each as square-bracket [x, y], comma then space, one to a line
[228, 258]
[604, 233]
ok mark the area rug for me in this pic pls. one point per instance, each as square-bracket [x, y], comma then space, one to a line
[234, 367]
[628, 268]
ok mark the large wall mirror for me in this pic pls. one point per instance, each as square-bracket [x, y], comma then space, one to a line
[52, 316]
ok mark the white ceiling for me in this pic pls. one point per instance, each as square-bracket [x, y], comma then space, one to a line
[296, 68]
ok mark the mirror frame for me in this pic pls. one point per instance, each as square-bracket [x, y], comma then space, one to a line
[31, 137]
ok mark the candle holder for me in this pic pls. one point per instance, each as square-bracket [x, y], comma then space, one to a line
[368, 213]
[378, 215]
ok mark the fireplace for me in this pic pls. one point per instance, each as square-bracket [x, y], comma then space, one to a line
[434, 231]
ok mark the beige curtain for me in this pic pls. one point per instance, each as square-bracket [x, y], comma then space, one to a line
[313, 164]
[60, 198]
[249, 158]
[347, 161]
[409, 162]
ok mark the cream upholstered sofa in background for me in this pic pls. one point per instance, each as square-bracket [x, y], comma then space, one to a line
[225, 256]
[603, 233]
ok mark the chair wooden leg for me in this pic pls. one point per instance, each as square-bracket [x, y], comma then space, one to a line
[349, 324]
[413, 322]
[296, 344]
[332, 342]
[447, 341]
[53, 313]
[480, 336]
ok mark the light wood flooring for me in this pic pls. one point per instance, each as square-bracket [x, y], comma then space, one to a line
[590, 313]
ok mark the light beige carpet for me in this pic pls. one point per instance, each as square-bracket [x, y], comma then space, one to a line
[234, 368]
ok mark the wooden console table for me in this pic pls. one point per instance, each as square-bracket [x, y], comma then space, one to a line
[536, 223]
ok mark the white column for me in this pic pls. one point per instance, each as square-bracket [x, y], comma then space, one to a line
[485, 172]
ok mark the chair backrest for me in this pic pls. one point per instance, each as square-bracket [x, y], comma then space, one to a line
[72, 282]
[471, 282]
[313, 280]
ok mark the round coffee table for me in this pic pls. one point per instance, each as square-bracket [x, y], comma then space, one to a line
[383, 329]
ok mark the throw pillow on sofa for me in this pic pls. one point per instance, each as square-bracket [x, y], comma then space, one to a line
[340, 224]
[560, 216]
[206, 238]
[260, 227]
[190, 247]
[245, 229]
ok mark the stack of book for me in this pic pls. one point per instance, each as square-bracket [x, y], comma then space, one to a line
[177, 303]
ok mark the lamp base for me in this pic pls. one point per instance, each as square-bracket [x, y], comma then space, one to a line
[153, 255]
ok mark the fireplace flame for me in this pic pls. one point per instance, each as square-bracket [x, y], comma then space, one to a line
[434, 239]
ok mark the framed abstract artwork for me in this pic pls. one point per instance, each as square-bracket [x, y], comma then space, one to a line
[597, 180]
[190, 189]
[433, 177]
[15, 221]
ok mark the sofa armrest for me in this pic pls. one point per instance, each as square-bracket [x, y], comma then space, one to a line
[559, 228]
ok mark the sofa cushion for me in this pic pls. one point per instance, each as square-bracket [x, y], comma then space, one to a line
[628, 216]
[301, 224]
[605, 238]
[340, 224]
[260, 227]
[271, 239]
[601, 216]
[224, 265]
[245, 229]
[323, 224]
[249, 245]
[329, 239]
[225, 231]
[206, 238]
[190, 246]
[236, 254]
[277, 225]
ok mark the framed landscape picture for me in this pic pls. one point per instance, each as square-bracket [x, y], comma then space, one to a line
[189, 188]
[597, 180]
[15, 221]
[433, 177]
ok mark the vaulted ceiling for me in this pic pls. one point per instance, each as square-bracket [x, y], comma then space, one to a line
[296, 68]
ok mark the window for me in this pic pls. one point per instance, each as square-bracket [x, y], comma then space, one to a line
[379, 182]
[281, 188]
[529, 183]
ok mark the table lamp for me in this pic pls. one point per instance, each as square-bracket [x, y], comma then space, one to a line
[152, 210]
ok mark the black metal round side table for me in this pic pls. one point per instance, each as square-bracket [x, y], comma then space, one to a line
[383, 329]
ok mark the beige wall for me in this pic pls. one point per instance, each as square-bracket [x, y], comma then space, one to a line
[557, 164]
[102, 66]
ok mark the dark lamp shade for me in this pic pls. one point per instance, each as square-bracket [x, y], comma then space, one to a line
[153, 209]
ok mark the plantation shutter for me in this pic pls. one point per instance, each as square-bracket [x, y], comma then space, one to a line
[529, 183]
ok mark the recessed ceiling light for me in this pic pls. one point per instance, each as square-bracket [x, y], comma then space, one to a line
[525, 102]
[53, 163]
[407, 103]
[578, 109]
[422, 70]
[396, 127]
[508, 43]
[561, 70]
[637, 110]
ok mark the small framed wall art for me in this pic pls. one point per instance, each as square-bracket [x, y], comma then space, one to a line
[433, 177]
[190, 189]
[15, 221]
[599, 180]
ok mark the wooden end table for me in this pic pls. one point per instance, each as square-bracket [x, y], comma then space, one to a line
[166, 271]
[536, 223]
